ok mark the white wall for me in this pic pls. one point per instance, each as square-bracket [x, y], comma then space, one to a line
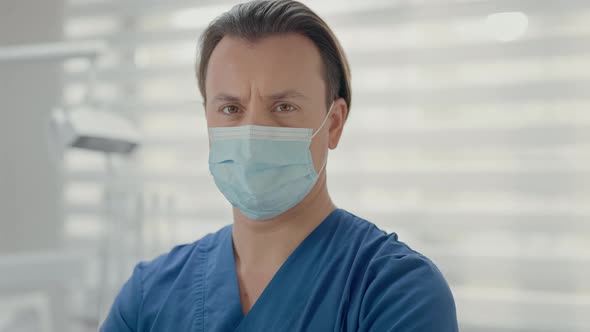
[30, 188]
[31, 216]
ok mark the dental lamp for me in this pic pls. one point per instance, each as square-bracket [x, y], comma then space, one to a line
[84, 127]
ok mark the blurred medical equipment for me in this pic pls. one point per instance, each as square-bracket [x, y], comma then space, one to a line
[85, 127]
[89, 127]
[25, 313]
[22, 276]
[105, 132]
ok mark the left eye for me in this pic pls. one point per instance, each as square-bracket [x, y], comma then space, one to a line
[284, 108]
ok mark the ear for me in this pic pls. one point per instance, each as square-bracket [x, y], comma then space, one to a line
[337, 120]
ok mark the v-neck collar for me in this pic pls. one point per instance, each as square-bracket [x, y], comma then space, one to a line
[277, 281]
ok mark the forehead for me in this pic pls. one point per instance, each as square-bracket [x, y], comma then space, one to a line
[288, 61]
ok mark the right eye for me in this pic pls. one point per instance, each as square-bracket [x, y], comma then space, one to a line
[229, 110]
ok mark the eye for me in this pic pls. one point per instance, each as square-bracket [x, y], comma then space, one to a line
[284, 108]
[229, 110]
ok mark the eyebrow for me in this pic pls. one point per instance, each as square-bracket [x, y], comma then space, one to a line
[223, 97]
[287, 94]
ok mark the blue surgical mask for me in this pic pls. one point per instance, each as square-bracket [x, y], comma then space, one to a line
[263, 171]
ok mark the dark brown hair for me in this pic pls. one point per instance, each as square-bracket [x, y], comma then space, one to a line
[262, 18]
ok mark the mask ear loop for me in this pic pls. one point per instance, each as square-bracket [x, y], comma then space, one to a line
[318, 130]
[324, 122]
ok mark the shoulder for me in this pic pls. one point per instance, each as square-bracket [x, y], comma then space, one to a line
[383, 250]
[400, 286]
[168, 266]
[403, 271]
[406, 292]
[384, 255]
[138, 300]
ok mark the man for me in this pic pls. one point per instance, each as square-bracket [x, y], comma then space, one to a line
[276, 90]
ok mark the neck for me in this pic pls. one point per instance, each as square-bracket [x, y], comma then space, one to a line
[259, 244]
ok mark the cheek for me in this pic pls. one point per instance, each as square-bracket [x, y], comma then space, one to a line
[215, 119]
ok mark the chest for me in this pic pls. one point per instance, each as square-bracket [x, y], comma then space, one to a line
[251, 286]
[297, 301]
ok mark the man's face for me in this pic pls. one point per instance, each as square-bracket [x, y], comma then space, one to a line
[277, 81]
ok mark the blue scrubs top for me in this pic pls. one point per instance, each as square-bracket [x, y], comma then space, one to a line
[347, 275]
